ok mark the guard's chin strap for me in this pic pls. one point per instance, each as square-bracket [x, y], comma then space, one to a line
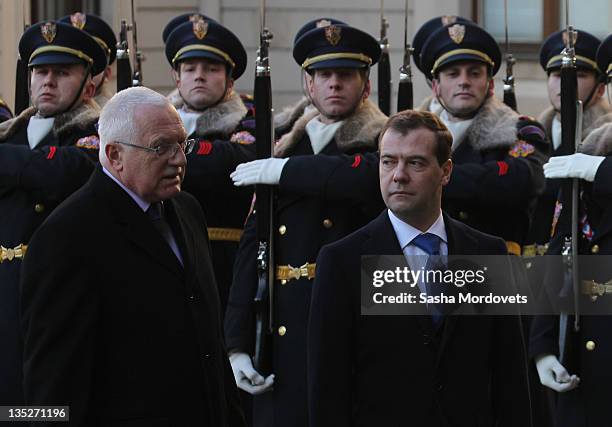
[351, 111]
[217, 102]
[471, 114]
[76, 97]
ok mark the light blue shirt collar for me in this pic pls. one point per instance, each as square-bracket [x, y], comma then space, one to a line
[406, 233]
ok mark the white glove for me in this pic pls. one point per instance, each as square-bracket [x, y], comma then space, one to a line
[577, 165]
[262, 171]
[554, 375]
[247, 378]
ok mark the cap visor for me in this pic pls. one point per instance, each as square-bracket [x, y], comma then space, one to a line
[461, 57]
[49, 58]
[200, 54]
[338, 63]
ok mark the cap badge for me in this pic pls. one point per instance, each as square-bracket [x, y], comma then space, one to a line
[200, 28]
[323, 23]
[78, 20]
[448, 19]
[195, 17]
[456, 33]
[48, 31]
[333, 34]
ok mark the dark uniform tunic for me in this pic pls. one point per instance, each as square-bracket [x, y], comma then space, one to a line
[32, 184]
[587, 353]
[539, 233]
[226, 136]
[497, 174]
[306, 218]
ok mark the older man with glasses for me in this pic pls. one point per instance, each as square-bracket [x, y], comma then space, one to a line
[120, 311]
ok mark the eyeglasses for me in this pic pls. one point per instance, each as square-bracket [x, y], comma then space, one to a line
[166, 150]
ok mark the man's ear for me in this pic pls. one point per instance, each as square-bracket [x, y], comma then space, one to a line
[176, 76]
[114, 154]
[601, 89]
[447, 170]
[435, 85]
[309, 81]
[108, 73]
[367, 90]
[491, 91]
[89, 90]
[230, 84]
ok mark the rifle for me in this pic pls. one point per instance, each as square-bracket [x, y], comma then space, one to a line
[404, 94]
[571, 113]
[138, 57]
[509, 95]
[22, 95]
[264, 205]
[125, 77]
[124, 68]
[384, 66]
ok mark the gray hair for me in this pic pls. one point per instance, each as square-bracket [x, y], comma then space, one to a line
[117, 119]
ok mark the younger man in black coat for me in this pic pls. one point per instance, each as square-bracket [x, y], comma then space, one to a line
[390, 370]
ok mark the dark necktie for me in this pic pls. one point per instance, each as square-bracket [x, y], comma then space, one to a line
[158, 219]
[430, 244]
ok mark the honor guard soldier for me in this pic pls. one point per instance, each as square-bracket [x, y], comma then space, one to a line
[206, 59]
[101, 32]
[430, 103]
[582, 376]
[5, 111]
[46, 153]
[591, 89]
[497, 154]
[340, 120]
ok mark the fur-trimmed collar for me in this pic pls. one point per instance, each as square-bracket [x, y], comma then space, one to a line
[222, 118]
[493, 127]
[425, 105]
[283, 121]
[590, 117]
[358, 131]
[80, 118]
[599, 140]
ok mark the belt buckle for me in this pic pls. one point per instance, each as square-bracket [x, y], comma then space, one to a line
[304, 270]
[298, 272]
[294, 272]
[594, 289]
[598, 289]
